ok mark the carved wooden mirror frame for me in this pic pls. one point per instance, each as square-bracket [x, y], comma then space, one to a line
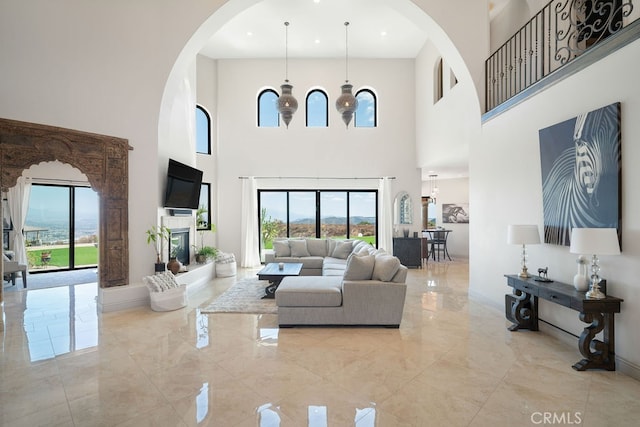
[103, 159]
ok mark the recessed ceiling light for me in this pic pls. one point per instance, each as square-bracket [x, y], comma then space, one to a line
[249, 33]
[316, 1]
[317, 41]
[383, 33]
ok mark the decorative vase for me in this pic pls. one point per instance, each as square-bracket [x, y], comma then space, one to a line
[580, 280]
[174, 265]
[201, 259]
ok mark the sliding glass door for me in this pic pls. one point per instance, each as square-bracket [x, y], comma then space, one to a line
[61, 229]
[337, 214]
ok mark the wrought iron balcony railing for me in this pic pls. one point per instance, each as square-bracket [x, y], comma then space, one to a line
[560, 32]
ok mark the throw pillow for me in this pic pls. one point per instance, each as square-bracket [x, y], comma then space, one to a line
[342, 250]
[299, 248]
[386, 266]
[160, 282]
[281, 248]
[317, 247]
[359, 267]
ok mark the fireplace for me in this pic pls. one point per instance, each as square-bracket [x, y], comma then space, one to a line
[183, 234]
[179, 242]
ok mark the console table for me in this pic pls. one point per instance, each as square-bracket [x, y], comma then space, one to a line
[521, 308]
[408, 250]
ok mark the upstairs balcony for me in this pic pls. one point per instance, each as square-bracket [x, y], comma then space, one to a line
[564, 37]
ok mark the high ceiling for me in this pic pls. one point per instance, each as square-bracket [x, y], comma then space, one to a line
[316, 30]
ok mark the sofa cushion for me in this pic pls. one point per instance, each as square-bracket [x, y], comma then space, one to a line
[317, 247]
[386, 266]
[334, 266]
[342, 250]
[281, 248]
[308, 262]
[309, 291]
[299, 248]
[359, 267]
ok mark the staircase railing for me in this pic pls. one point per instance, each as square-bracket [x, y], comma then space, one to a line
[560, 32]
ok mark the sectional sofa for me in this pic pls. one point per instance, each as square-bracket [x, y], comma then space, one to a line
[341, 283]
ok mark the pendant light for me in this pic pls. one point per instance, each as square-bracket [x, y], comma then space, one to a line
[287, 104]
[346, 104]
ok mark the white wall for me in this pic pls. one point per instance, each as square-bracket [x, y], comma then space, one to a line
[452, 191]
[505, 188]
[206, 97]
[444, 129]
[246, 150]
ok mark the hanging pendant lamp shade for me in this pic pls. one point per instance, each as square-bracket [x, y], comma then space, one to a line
[287, 104]
[346, 104]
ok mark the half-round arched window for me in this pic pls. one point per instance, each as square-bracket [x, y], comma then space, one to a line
[317, 109]
[366, 114]
[203, 131]
[268, 109]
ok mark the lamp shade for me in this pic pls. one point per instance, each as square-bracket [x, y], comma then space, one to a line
[523, 235]
[594, 241]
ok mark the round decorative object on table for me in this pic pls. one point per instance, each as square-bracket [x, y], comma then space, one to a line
[174, 265]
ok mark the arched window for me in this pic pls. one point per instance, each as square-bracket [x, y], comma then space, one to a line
[203, 131]
[317, 109]
[437, 81]
[268, 116]
[366, 114]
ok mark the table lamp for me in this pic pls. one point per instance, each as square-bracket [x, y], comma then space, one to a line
[523, 235]
[595, 241]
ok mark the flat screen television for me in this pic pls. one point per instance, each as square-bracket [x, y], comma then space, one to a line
[183, 186]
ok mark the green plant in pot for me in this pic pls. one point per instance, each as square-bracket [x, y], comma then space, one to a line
[155, 236]
[206, 253]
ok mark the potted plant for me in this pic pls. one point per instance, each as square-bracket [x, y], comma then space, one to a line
[205, 253]
[155, 236]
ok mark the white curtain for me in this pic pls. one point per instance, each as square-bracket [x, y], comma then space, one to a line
[250, 233]
[18, 200]
[385, 229]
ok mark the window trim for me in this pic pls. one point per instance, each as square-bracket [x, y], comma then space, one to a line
[208, 117]
[375, 108]
[318, 222]
[208, 214]
[263, 92]
[326, 107]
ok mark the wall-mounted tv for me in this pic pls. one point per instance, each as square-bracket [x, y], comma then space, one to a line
[183, 186]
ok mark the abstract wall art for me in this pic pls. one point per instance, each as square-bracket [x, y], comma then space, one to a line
[581, 175]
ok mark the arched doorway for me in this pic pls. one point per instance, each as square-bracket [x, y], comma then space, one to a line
[103, 159]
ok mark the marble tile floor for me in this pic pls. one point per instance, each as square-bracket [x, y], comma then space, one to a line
[451, 363]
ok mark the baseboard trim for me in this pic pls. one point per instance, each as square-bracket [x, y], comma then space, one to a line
[136, 294]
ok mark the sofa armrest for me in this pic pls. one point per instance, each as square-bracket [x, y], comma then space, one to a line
[269, 257]
[369, 302]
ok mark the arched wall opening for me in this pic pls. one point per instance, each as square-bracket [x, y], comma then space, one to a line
[177, 85]
[104, 161]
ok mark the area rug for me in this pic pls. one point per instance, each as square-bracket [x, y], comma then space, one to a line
[243, 297]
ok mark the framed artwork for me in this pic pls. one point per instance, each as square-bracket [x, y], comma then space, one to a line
[455, 213]
[581, 174]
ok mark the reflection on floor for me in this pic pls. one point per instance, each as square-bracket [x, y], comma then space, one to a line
[452, 362]
[52, 279]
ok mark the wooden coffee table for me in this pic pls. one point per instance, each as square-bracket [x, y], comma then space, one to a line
[274, 275]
